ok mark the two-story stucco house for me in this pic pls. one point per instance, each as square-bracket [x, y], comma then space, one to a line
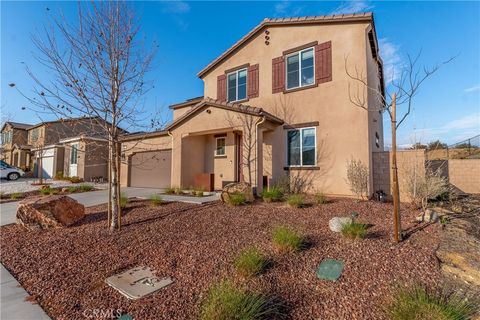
[14, 149]
[276, 104]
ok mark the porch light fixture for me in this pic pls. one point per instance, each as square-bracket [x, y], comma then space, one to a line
[209, 111]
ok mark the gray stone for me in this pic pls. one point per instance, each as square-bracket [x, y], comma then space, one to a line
[428, 216]
[335, 224]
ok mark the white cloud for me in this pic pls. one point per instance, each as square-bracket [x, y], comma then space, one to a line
[473, 89]
[354, 6]
[392, 61]
[287, 8]
[176, 6]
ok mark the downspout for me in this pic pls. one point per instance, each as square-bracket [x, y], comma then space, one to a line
[262, 120]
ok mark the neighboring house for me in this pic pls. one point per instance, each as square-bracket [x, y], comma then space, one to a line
[15, 150]
[72, 147]
[276, 106]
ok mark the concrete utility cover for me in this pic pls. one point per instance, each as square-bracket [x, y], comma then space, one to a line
[330, 269]
[137, 282]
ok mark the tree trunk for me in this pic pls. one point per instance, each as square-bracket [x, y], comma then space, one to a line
[114, 197]
[397, 228]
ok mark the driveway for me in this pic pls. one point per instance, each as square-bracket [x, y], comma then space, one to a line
[88, 199]
[25, 185]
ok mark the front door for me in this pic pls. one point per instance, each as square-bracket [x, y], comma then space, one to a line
[73, 160]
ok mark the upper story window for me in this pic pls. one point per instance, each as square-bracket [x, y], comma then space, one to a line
[6, 137]
[300, 69]
[237, 85]
[301, 147]
[34, 134]
[220, 146]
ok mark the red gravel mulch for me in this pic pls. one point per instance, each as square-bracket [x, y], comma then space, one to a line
[65, 269]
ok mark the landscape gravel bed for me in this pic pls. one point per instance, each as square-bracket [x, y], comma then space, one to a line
[65, 269]
[25, 185]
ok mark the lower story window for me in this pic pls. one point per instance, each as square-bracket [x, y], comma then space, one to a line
[301, 147]
[220, 148]
[74, 154]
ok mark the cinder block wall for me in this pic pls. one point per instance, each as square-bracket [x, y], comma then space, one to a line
[464, 174]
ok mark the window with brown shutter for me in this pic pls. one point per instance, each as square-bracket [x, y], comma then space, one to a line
[253, 81]
[278, 74]
[222, 88]
[323, 62]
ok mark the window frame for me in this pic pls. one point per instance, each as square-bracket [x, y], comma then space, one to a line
[299, 54]
[301, 165]
[224, 147]
[74, 147]
[236, 72]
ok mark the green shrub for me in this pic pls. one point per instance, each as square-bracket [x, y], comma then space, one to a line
[45, 191]
[177, 190]
[53, 191]
[237, 199]
[295, 200]
[72, 189]
[85, 187]
[156, 200]
[320, 198]
[225, 302]
[199, 193]
[123, 200]
[272, 195]
[59, 176]
[250, 262]
[170, 190]
[416, 304]
[287, 239]
[15, 195]
[354, 230]
[75, 179]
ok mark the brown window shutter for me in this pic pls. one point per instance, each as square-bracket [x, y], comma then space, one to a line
[222, 88]
[323, 62]
[278, 74]
[253, 81]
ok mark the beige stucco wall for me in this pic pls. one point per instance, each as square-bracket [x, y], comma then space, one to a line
[464, 174]
[343, 131]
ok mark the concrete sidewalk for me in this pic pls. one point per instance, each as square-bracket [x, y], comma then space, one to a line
[12, 300]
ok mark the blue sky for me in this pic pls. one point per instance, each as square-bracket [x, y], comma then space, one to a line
[192, 34]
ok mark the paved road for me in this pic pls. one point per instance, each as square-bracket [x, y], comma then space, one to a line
[12, 304]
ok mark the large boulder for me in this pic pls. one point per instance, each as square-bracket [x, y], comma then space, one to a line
[237, 187]
[49, 212]
[336, 224]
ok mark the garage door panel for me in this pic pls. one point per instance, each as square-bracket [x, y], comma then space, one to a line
[151, 169]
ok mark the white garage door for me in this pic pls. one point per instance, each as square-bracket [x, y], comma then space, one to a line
[47, 167]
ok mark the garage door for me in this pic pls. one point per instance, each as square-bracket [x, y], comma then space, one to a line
[151, 169]
[47, 167]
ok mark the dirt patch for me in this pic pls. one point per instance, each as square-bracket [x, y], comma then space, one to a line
[65, 269]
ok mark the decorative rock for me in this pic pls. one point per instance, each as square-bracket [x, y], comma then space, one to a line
[64, 190]
[237, 187]
[335, 224]
[429, 216]
[49, 212]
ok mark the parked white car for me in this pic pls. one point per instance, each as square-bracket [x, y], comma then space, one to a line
[9, 172]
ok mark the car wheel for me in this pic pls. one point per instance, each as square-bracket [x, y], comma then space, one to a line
[13, 176]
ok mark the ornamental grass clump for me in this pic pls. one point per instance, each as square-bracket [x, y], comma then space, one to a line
[84, 187]
[123, 200]
[250, 262]
[295, 200]
[418, 304]
[320, 198]
[170, 190]
[273, 194]
[155, 200]
[287, 240]
[354, 230]
[15, 196]
[226, 302]
[237, 199]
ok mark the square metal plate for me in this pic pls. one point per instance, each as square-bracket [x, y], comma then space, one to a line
[330, 269]
[137, 282]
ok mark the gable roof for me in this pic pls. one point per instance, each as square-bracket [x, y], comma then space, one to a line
[186, 103]
[235, 107]
[17, 125]
[336, 18]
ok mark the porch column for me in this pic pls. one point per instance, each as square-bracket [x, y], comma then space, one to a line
[176, 161]
[259, 162]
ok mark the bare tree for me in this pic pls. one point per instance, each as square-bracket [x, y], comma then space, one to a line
[400, 92]
[98, 67]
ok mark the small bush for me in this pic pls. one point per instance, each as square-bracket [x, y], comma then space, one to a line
[225, 302]
[198, 193]
[320, 198]
[156, 200]
[416, 303]
[287, 239]
[170, 190]
[53, 191]
[272, 195]
[354, 230]
[15, 196]
[237, 199]
[59, 176]
[177, 190]
[357, 177]
[45, 191]
[250, 262]
[75, 179]
[295, 200]
[123, 200]
[85, 187]
[72, 189]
